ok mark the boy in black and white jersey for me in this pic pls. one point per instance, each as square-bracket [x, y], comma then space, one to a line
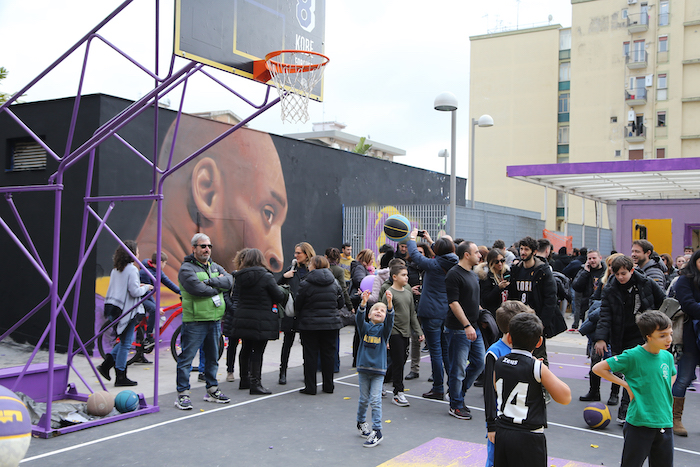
[522, 415]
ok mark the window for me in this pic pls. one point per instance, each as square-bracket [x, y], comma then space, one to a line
[564, 39]
[661, 88]
[565, 71]
[625, 49]
[661, 118]
[624, 13]
[618, 153]
[24, 155]
[564, 102]
[639, 53]
[663, 43]
[661, 153]
[563, 137]
[636, 154]
[663, 13]
[613, 119]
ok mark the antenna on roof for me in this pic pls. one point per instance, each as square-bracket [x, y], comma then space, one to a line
[549, 18]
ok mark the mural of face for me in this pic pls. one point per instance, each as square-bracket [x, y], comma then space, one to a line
[234, 193]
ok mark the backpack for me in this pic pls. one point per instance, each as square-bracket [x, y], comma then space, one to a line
[563, 286]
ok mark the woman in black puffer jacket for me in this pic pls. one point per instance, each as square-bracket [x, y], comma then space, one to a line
[254, 321]
[316, 308]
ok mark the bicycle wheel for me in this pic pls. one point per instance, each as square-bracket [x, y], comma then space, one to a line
[107, 340]
[176, 347]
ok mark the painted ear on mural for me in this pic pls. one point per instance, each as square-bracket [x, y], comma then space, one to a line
[207, 188]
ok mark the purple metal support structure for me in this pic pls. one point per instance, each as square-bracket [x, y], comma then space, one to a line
[162, 87]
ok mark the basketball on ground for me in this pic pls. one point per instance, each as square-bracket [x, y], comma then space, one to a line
[596, 415]
[15, 428]
[100, 403]
[126, 401]
[397, 228]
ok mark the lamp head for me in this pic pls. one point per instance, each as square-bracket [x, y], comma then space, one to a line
[485, 120]
[446, 102]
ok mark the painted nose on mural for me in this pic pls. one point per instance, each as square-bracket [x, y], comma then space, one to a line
[274, 261]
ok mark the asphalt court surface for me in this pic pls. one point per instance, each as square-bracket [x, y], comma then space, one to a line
[294, 429]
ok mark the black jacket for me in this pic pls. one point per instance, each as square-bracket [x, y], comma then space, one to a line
[543, 298]
[294, 282]
[611, 323]
[491, 295]
[317, 303]
[586, 283]
[255, 291]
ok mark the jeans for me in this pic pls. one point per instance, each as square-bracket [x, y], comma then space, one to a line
[463, 351]
[686, 366]
[193, 335]
[370, 394]
[120, 352]
[437, 344]
[150, 307]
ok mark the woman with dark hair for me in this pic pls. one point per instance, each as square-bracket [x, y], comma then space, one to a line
[293, 276]
[256, 319]
[688, 295]
[125, 291]
[432, 308]
[360, 268]
[492, 280]
[318, 321]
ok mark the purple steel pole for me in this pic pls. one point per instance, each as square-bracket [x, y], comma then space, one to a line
[23, 228]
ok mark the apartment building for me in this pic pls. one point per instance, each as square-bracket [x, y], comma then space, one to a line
[622, 83]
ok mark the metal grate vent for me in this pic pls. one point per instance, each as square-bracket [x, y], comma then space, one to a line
[27, 156]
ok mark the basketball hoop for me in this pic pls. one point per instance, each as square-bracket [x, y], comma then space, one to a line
[295, 73]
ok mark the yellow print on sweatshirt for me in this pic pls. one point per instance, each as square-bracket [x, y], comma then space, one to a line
[372, 339]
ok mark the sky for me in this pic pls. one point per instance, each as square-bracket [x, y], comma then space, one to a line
[389, 59]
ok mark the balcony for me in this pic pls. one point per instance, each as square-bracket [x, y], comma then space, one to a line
[638, 22]
[637, 59]
[636, 96]
[636, 134]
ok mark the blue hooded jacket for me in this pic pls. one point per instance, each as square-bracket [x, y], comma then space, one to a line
[433, 299]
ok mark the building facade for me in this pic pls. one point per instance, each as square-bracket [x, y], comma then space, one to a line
[622, 83]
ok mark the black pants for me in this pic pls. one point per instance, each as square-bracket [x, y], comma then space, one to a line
[286, 349]
[317, 343]
[541, 351]
[642, 442]
[231, 354]
[250, 359]
[398, 349]
[519, 448]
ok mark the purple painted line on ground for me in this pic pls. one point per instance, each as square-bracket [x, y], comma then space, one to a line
[449, 452]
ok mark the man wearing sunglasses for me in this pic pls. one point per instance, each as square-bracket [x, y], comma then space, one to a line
[202, 284]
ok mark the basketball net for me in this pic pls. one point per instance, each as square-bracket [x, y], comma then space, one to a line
[295, 73]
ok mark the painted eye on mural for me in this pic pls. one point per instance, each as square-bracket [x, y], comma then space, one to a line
[268, 213]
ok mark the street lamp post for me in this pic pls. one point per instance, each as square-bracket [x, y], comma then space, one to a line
[484, 121]
[447, 102]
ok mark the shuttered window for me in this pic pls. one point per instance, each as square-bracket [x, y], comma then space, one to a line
[26, 155]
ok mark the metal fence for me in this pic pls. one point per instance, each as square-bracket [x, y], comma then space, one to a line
[363, 225]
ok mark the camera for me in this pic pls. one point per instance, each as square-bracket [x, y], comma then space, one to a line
[421, 233]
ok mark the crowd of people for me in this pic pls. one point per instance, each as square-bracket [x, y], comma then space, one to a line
[465, 302]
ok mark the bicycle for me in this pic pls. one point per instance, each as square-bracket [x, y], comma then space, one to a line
[141, 345]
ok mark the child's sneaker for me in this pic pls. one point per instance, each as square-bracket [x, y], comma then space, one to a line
[183, 402]
[363, 428]
[374, 438]
[400, 399]
[384, 392]
[217, 396]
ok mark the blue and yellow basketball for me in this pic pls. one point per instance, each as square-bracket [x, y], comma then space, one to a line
[596, 415]
[15, 428]
[397, 228]
[126, 401]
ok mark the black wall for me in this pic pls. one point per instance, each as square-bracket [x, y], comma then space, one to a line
[319, 182]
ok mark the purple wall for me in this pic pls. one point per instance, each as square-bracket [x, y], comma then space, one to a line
[682, 211]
